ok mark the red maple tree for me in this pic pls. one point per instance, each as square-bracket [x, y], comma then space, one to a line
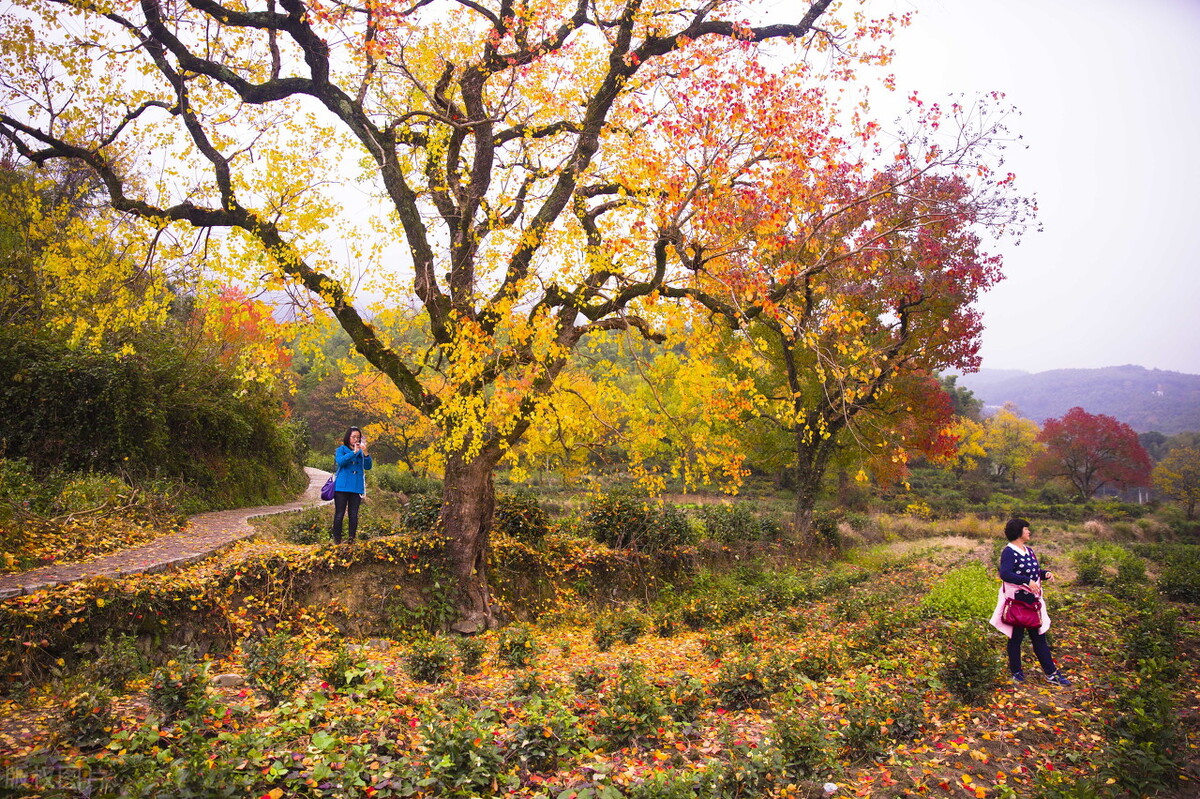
[1092, 451]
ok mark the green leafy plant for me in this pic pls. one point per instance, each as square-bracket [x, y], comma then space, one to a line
[682, 697]
[521, 516]
[802, 741]
[309, 526]
[739, 684]
[461, 755]
[429, 659]
[972, 669]
[632, 709]
[1179, 579]
[967, 592]
[604, 633]
[470, 654]
[545, 731]
[344, 669]
[275, 666]
[1143, 754]
[85, 714]
[516, 647]
[587, 679]
[178, 687]
[422, 512]
[630, 624]
[624, 520]
[528, 683]
[114, 661]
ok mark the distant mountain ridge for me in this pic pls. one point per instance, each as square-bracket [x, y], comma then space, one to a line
[1145, 399]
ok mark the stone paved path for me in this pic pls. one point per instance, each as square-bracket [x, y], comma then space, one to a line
[205, 535]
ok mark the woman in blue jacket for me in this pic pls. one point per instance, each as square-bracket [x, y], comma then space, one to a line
[350, 485]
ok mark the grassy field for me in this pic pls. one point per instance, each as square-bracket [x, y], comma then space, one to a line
[874, 673]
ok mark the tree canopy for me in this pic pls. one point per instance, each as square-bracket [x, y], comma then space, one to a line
[1092, 451]
[535, 173]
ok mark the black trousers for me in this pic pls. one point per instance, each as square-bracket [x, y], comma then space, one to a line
[1041, 648]
[345, 501]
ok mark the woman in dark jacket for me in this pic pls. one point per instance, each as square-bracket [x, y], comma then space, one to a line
[1022, 575]
[350, 484]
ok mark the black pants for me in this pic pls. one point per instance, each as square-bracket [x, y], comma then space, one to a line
[343, 501]
[1041, 648]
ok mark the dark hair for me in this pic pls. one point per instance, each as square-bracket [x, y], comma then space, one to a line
[1014, 528]
[346, 438]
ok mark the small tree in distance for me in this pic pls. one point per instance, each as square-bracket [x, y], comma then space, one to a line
[1178, 477]
[1092, 451]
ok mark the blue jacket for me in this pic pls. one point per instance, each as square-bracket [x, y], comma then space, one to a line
[351, 470]
[1020, 569]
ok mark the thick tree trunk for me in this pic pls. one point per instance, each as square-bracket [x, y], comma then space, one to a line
[811, 461]
[468, 502]
[808, 484]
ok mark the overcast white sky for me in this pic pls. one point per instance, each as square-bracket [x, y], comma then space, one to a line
[1110, 100]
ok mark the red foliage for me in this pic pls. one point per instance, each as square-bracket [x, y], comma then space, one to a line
[1092, 450]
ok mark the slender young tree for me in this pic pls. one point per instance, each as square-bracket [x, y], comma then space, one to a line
[847, 287]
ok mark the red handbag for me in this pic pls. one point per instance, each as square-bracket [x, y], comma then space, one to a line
[1019, 613]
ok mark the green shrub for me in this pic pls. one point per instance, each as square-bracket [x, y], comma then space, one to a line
[1151, 634]
[1179, 580]
[630, 625]
[745, 770]
[429, 660]
[344, 669]
[388, 477]
[432, 616]
[171, 412]
[967, 592]
[275, 666]
[89, 491]
[802, 743]
[632, 710]
[604, 633]
[461, 755]
[826, 531]
[1089, 568]
[1143, 750]
[1065, 785]
[624, 520]
[85, 714]
[973, 667]
[819, 664]
[178, 687]
[863, 734]
[740, 684]
[519, 515]
[470, 654]
[666, 624]
[544, 732]
[1109, 565]
[587, 679]
[422, 512]
[114, 661]
[516, 648]
[309, 526]
[729, 524]
[674, 784]
[682, 697]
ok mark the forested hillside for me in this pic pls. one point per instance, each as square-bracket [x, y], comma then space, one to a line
[1145, 399]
